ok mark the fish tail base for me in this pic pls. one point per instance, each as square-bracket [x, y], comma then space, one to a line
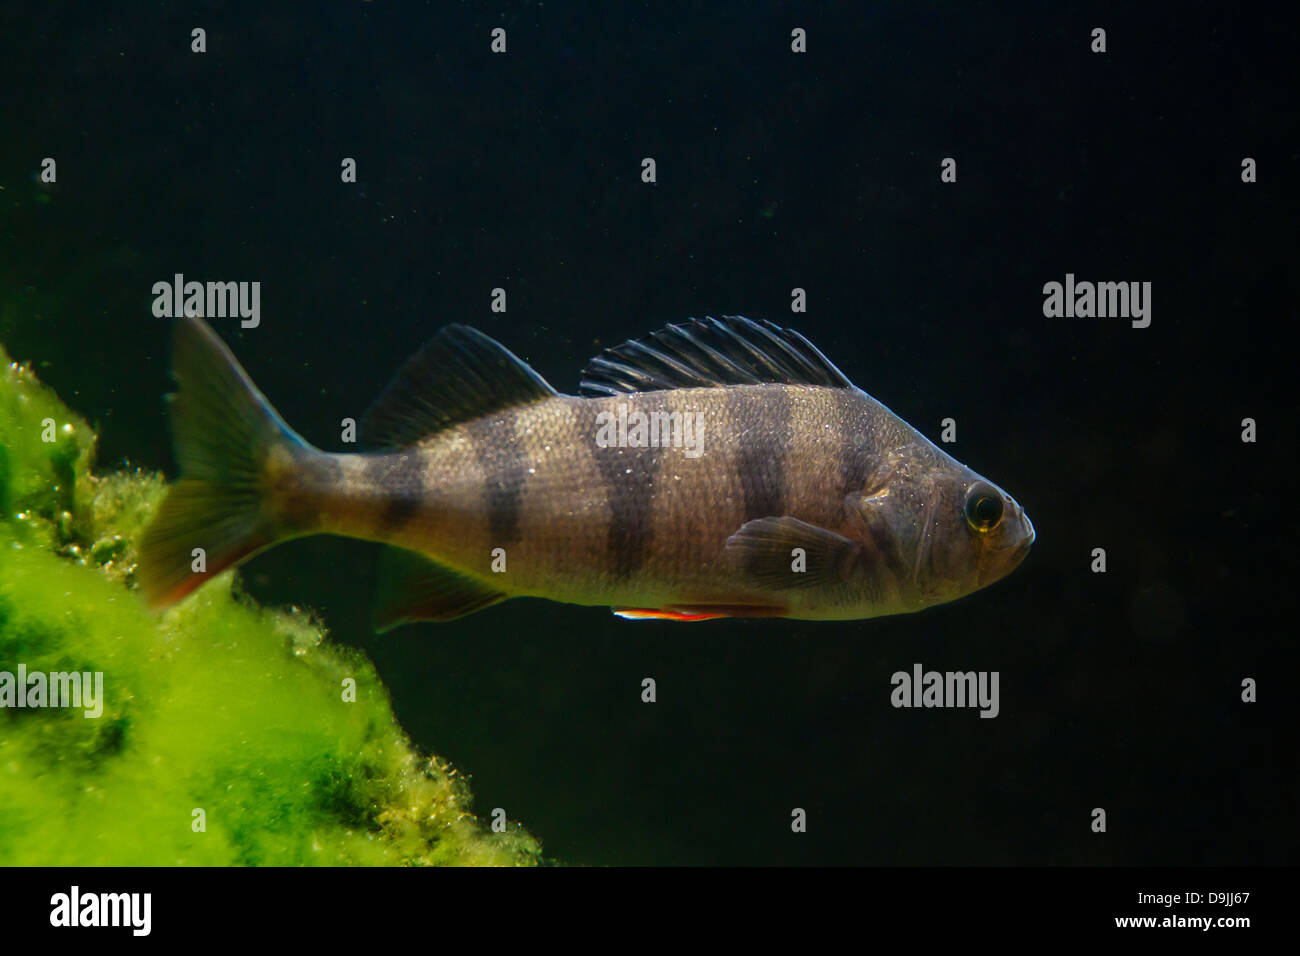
[225, 431]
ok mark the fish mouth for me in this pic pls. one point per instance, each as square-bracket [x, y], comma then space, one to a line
[1012, 554]
[1029, 532]
[1021, 548]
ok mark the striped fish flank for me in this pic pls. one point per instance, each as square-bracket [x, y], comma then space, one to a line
[716, 468]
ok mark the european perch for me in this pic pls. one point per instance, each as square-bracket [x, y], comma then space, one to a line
[717, 468]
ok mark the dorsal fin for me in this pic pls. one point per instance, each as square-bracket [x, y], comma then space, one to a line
[710, 353]
[461, 374]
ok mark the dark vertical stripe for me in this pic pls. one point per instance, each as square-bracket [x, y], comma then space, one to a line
[628, 475]
[765, 417]
[862, 452]
[504, 461]
[857, 460]
[400, 479]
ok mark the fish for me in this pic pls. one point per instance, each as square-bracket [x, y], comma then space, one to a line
[716, 468]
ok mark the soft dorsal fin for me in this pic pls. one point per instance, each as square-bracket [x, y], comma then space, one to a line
[461, 374]
[710, 353]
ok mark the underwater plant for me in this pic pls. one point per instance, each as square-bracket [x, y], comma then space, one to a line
[227, 733]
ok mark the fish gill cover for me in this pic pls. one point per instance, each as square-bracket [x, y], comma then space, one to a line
[225, 736]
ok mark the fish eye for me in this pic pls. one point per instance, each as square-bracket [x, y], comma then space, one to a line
[983, 508]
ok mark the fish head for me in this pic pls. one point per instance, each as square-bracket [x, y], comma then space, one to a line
[938, 530]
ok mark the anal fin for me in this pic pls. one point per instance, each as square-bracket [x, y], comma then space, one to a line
[413, 588]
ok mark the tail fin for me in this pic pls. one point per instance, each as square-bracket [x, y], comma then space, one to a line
[223, 430]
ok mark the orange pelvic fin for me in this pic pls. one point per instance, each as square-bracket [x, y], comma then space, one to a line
[697, 612]
[652, 614]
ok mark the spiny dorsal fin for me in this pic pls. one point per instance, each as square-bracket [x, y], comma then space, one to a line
[461, 374]
[710, 353]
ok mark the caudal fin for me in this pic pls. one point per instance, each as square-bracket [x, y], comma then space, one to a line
[223, 429]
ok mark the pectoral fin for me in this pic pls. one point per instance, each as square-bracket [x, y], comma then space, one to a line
[782, 553]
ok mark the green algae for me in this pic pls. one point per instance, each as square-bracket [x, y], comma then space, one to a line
[230, 734]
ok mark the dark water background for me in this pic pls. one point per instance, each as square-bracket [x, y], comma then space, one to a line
[775, 170]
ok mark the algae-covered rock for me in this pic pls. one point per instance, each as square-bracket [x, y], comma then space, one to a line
[228, 733]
